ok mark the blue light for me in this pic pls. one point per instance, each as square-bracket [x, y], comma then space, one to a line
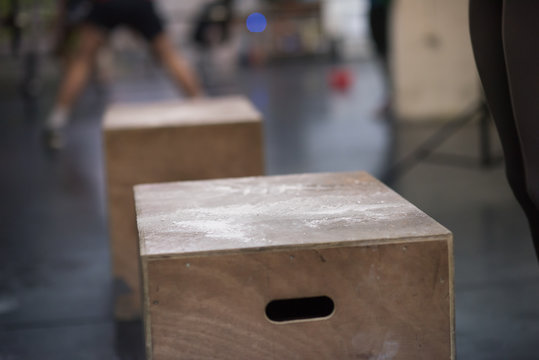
[256, 22]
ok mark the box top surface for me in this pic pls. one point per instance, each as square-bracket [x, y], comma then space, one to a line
[230, 109]
[196, 217]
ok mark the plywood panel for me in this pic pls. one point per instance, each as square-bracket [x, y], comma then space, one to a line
[391, 302]
[204, 139]
[215, 253]
[276, 211]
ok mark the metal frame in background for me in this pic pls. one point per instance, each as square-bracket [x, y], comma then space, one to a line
[426, 150]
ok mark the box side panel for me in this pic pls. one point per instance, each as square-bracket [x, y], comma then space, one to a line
[124, 253]
[391, 301]
[185, 153]
[451, 261]
[158, 155]
[146, 306]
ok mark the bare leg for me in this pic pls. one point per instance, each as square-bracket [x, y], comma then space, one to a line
[73, 81]
[80, 66]
[177, 66]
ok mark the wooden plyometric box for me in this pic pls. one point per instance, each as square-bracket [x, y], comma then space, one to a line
[199, 139]
[321, 266]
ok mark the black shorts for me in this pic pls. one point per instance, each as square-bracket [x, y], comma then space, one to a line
[139, 15]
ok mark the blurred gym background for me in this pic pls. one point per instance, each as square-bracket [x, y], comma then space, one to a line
[331, 102]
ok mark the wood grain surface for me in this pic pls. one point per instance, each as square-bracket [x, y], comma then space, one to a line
[207, 139]
[392, 301]
[275, 211]
[197, 112]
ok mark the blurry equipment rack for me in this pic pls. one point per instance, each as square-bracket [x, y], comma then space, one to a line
[426, 150]
[294, 29]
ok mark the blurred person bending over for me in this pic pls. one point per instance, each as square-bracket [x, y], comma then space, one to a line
[103, 16]
[504, 40]
[70, 16]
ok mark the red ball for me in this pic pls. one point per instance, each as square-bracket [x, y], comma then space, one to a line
[340, 79]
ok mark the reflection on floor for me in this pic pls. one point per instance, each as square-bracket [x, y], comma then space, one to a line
[55, 287]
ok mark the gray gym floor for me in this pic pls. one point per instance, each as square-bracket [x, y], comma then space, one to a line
[55, 284]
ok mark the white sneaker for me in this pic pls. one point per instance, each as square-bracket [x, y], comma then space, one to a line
[53, 134]
[53, 138]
